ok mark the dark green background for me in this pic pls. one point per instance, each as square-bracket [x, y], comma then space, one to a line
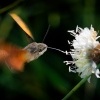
[47, 78]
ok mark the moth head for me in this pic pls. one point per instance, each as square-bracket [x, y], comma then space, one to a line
[35, 50]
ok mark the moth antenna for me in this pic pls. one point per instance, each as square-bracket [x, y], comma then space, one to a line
[57, 49]
[46, 33]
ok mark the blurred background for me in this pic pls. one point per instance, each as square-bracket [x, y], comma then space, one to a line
[46, 78]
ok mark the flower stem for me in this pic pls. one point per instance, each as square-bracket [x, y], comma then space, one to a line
[76, 87]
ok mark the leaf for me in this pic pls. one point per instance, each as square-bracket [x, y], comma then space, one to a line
[22, 24]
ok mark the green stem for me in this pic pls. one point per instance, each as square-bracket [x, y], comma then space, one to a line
[10, 6]
[76, 87]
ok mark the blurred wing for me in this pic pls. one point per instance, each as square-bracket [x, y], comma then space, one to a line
[13, 56]
[16, 63]
[21, 23]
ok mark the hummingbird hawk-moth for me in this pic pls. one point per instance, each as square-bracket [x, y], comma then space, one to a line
[16, 57]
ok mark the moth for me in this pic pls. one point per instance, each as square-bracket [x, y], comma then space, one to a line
[16, 57]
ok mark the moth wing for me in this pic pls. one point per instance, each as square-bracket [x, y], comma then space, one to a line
[13, 56]
[14, 64]
[16, 60]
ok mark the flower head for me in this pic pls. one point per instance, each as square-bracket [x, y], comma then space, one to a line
[84, 44]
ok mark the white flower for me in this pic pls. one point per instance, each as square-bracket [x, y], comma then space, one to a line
[85, 41]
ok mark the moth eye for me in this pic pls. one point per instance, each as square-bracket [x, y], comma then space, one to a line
[40, 50]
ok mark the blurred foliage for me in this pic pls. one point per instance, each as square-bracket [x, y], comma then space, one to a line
[46, 78]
